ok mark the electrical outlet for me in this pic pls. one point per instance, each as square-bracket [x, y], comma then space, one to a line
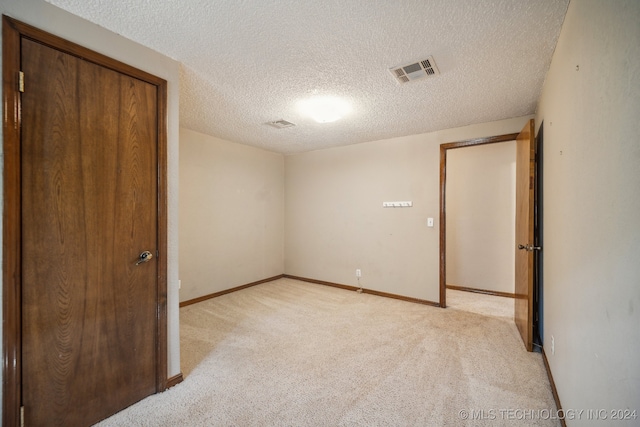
[358, 272]
[553, 345]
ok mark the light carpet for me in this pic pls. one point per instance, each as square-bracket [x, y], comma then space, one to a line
[486, 305]
[287, 353]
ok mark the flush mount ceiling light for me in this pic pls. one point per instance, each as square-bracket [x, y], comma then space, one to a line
[324, 109]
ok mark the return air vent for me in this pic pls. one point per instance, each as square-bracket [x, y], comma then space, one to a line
[415, 71]
[281, 124]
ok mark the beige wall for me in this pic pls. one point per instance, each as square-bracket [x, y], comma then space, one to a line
[590, 105]
[481, 216]
[335, 221]
[70, 27]
[231, 214]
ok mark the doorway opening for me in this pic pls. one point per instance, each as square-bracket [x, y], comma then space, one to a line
[526, 241]
[444, 284]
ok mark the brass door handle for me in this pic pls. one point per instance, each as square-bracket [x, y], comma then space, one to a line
[144, 257]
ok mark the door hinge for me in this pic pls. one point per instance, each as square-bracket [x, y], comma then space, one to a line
[21, 82]
[22, 416]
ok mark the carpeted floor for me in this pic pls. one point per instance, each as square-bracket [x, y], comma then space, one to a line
[486, 305]
[288, 353]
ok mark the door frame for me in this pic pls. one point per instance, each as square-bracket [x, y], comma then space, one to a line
[443, 202]
[12, 33]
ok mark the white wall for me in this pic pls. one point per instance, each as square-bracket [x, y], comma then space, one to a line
[481, 216]
[590, 105]
[335, 221]
[231, 214]
[58, 22]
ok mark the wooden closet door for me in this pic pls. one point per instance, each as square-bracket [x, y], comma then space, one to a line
[89, 173]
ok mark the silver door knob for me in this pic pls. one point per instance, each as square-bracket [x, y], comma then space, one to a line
[144, 257]
[529, 248]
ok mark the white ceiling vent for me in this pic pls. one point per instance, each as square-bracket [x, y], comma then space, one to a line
[281, 124]
[417, 70]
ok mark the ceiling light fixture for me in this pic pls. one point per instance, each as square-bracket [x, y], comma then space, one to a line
[324, 109]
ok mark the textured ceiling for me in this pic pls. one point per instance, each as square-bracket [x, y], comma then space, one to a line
[247, 62]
